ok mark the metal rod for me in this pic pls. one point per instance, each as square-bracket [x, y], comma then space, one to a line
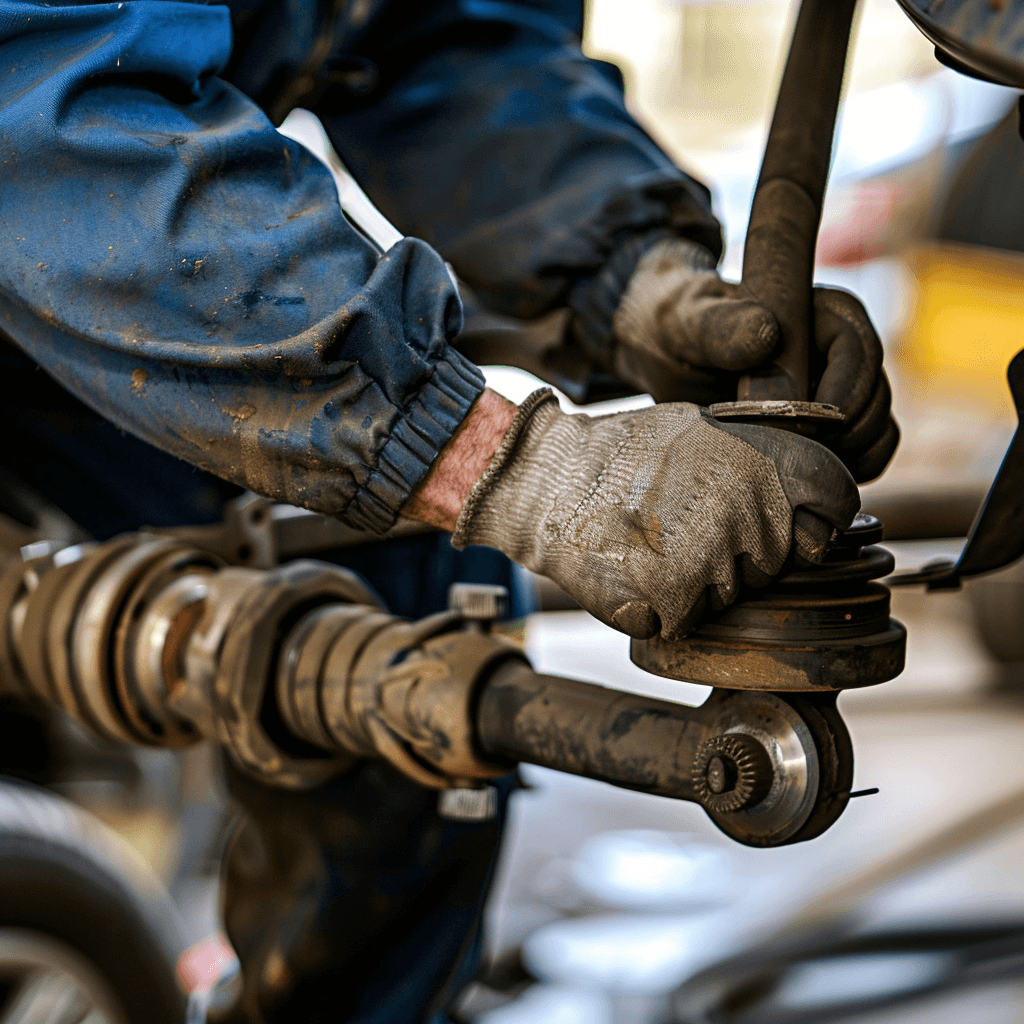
[582, 729]
[778, 259]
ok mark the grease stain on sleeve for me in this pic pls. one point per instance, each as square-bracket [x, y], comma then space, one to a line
[139, 378]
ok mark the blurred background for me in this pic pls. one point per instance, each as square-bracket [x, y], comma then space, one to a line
[606, 901]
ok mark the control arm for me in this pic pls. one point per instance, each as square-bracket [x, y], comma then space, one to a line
[298, 671]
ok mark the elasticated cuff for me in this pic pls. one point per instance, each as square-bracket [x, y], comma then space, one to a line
[422, 429]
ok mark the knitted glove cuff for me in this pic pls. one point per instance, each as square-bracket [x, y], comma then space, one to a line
[461, 536]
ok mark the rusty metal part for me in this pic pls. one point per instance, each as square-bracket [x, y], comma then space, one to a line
[231, 660]
[792, 642]
[480, 604]
[799, 789]
[300, 668]
[247, 722]
[410, 693]
[732, 772]
[778, 255]
[821, 628]
[801, 417]
[146, 639]
[297, 672]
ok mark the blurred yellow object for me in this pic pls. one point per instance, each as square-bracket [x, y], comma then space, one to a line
[969, 316]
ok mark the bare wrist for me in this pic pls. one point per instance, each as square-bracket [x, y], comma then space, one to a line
[439, 496]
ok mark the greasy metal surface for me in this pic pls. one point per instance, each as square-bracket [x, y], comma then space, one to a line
[407, 693]
[816, 629]
[758, 412]
[96, 618]
[651, 745]
[300, 669]
[795, 775]
[842, 566]
[802, 667]
[790, 616]
[47, 636]
[575, 727]
[246, 666]
[835, 761]
[985, 36]
[732, 772]
[149, 645]
[809, 418]
[778, 256]
[299, 674]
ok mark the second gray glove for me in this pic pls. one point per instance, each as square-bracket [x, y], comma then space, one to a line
[646, 517]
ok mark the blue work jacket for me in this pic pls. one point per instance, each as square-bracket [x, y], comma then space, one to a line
[186, 271]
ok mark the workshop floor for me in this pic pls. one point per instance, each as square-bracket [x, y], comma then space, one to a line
[614, 898]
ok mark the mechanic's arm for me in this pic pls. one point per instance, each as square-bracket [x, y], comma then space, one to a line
[646, 518]
[489, 134]
[185, 270]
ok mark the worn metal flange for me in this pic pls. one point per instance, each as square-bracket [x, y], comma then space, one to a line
[745, 658]
[818, 628]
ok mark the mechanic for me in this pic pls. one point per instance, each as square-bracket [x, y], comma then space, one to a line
[184, 274]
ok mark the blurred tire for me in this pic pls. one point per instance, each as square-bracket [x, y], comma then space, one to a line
[997, 601]
[81, 918]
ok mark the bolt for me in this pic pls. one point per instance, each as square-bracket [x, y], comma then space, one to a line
[721, 775]
[478, 602]
[468, 803]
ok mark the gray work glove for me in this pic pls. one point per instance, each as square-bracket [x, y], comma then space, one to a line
[682, 333]
[646, 517]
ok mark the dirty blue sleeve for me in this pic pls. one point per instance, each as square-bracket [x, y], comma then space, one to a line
[485, 131]
[186, 271]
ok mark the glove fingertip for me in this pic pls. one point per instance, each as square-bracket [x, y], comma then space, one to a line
[750, 340]
[811, 535]
[873, 462]
[637, 619]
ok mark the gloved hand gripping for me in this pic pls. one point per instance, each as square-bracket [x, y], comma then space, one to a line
[645, 517]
